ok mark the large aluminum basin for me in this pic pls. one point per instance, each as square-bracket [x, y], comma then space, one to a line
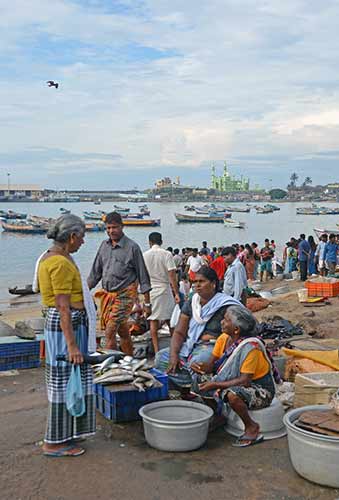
[176, 425]
[314, 456]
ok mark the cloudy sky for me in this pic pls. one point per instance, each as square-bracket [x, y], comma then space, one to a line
[155, 87]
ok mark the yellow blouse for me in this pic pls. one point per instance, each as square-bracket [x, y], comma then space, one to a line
[59, 276]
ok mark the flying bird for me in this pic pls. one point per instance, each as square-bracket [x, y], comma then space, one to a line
[50, 83]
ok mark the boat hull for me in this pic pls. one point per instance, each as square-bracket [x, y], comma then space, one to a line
[199, 218]
[141, 222]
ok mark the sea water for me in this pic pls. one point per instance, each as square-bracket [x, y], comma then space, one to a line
[19, 252]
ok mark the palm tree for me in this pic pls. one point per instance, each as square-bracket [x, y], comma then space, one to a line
[294, 177]
[308, 181]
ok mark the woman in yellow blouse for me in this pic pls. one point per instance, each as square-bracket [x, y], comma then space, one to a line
[66, 333]
[244, 378]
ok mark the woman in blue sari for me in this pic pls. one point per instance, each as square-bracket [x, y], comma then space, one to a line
[199, 324]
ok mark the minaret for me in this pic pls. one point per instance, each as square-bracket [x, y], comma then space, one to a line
[213, 177]
[226, 174]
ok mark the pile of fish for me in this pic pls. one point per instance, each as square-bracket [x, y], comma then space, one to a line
[128, 369]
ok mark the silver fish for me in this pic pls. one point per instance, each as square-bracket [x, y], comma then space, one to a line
[128, 359]
[144, 374]
[139, 365]
[149, 384]
[107, 363]
[140, 387]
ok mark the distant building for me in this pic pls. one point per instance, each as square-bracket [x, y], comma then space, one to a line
[227, 183]
[21, 190]
[166, 182]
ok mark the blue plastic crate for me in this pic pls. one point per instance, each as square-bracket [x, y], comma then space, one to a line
[122, 405]
[19, 354]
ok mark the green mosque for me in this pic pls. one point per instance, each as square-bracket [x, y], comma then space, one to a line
[227, 183]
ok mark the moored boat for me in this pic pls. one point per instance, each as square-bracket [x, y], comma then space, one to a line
[319, 232]
[64, 211]
[121, 210]
[94, 227]
[234, 223]
[27, 290]
[263, 210]
[10, 214]
[23, 227]
[201, 218]
[94, 215]
[238, 209]
[141, 222]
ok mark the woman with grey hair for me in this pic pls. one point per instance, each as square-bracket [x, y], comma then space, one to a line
[244, 378]
[66, 333]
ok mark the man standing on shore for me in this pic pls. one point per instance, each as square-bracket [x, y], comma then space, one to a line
[162, 270]
[330, 254]
[235, 280]
[304, 251]
[319, 256]
[120, 265]
[194, 263]
[266, 254]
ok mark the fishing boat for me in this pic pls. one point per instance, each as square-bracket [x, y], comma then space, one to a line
[97, 202]
[144, 210]
[10, 214]
[189, 208]
[263, 210]
[94, 227]
[319, 232]
[121, 210]
[134, 216]
[141, 222]
[273, 207]
[94, 215]
[27, 290]
[201, 218]
[239, 209]
[315, 210]
[234, 223]
[23, 227]
[64, 211]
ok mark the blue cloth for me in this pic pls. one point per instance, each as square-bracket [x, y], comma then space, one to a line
[320, 251]
[330, 253]
[196, 329]
[303, 250]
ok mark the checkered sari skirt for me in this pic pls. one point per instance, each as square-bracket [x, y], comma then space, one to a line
[61, 426]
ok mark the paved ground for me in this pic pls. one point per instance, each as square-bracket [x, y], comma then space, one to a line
[119, 464]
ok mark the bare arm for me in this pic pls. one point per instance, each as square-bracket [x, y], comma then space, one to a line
[178, 338]
[206, 367]
[173, 281]
[62, 303]
[243, 380]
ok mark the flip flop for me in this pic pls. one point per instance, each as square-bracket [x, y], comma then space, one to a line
[63, 452]
[250, 441]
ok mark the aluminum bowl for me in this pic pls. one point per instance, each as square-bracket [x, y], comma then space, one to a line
[314, 456]
[176, 425]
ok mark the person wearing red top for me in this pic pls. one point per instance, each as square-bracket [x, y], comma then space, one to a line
[219, 266]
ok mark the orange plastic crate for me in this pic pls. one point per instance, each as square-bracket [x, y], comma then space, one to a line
[322, 289]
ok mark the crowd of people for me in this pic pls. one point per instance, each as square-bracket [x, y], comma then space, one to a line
[214, 346]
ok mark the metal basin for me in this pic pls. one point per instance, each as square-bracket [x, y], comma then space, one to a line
[314, 457]
[175, 425]
[270, 420]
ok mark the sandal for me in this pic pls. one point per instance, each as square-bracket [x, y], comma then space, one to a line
[245, 441]
[65, 452]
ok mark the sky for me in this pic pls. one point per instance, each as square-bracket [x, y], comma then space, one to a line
[149, 88]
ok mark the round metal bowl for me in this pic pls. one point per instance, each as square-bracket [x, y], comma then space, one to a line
[175, 425]
[314, 456]
[270, 420]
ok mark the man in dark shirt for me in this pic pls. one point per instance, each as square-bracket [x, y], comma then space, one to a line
[120, 266]
[304, 251]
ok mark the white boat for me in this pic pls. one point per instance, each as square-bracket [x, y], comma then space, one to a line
[234, 223]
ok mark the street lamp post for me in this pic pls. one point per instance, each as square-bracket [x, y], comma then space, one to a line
[8, 183]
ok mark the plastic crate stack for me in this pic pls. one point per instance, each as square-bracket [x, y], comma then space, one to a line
[19, 355]
[124, 405]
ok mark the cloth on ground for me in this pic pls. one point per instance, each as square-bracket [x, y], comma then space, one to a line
[255, 304]
[278, 327]
[327, 358]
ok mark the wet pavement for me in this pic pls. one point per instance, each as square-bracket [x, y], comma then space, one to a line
[119, 464]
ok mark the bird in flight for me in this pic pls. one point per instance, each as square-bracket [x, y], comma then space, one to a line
[50, 83]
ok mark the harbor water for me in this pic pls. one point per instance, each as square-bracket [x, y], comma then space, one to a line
[19, 252]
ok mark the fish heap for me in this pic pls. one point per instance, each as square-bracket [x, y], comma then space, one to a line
[128, 369]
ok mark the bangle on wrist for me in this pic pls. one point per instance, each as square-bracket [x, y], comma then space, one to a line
[147, 305]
